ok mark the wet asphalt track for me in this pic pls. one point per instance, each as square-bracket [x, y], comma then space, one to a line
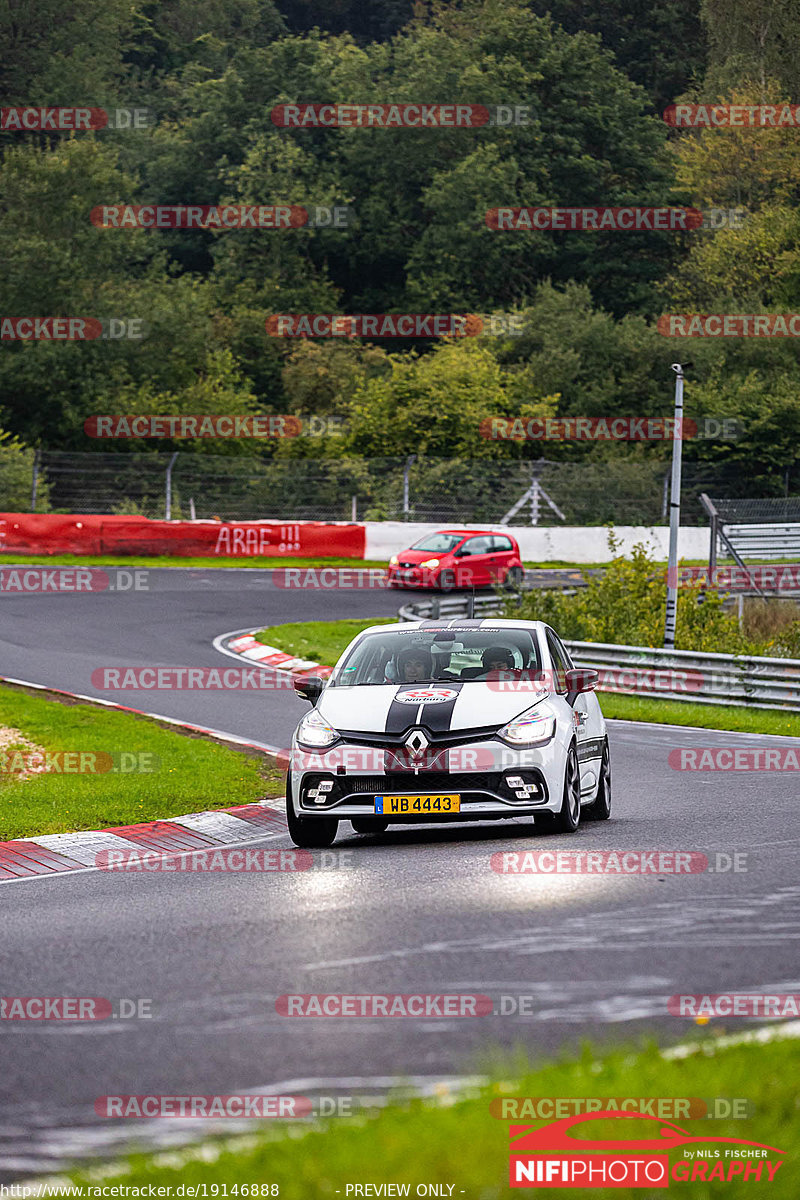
[412, 911]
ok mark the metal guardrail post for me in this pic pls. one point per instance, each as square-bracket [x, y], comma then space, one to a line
[35, 478]
[168, 488]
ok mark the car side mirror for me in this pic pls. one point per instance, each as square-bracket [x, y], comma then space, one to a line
[463, 552]
[582, 679]
[309, 687]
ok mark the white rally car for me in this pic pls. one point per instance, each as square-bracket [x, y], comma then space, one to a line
[457, 720]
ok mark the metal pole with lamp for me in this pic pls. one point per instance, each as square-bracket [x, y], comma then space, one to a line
[675, 510]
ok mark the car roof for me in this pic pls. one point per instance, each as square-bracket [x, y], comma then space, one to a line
[472, 532]
[457, 624]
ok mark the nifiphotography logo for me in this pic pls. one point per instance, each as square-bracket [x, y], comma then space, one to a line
[553, 1157]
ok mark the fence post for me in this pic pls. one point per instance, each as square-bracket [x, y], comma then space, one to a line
[168, 496]
[406, 469]
[34, 479]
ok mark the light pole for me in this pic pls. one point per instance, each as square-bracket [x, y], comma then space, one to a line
[675, 510]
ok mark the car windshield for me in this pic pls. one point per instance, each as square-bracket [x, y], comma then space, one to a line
[437, 656]
[439, 543]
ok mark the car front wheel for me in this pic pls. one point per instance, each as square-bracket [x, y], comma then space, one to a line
[308, 833]
[567, 819]
[600, 808]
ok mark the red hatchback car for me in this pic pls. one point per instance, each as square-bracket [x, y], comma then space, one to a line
[454, 558]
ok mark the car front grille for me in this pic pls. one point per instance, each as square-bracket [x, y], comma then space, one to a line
[425, 781]
[473, 786]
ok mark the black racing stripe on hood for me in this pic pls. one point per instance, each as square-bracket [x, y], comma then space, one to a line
[437, 717]
[402, 715]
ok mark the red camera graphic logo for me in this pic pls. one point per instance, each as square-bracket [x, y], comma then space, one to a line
[551, 1157]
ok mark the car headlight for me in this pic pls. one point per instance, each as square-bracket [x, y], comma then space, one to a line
[393, 561]
[430, 563]
[531, 728]
[315, 732]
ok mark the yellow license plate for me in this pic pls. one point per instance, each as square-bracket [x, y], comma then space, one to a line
[410, 803]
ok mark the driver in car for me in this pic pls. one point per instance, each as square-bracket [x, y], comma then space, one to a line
[415, 665]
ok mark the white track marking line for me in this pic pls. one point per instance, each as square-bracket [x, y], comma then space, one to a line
[767, 1033]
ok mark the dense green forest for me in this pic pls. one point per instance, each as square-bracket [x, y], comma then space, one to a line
[595, 77]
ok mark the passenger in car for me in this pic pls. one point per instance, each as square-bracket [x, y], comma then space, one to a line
[494, 658]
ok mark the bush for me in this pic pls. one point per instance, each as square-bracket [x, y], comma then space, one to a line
[627, 607]
[16, 477]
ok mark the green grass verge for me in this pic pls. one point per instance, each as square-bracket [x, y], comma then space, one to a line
[174, 560]
[321, 641]
[324, 641]
[192, 773]
[465, 1145]
[737, 719]
[171, 560]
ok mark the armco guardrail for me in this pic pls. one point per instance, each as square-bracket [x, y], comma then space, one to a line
[702, 678]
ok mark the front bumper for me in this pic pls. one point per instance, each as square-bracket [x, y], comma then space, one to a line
[493, 780]
[412, 577]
